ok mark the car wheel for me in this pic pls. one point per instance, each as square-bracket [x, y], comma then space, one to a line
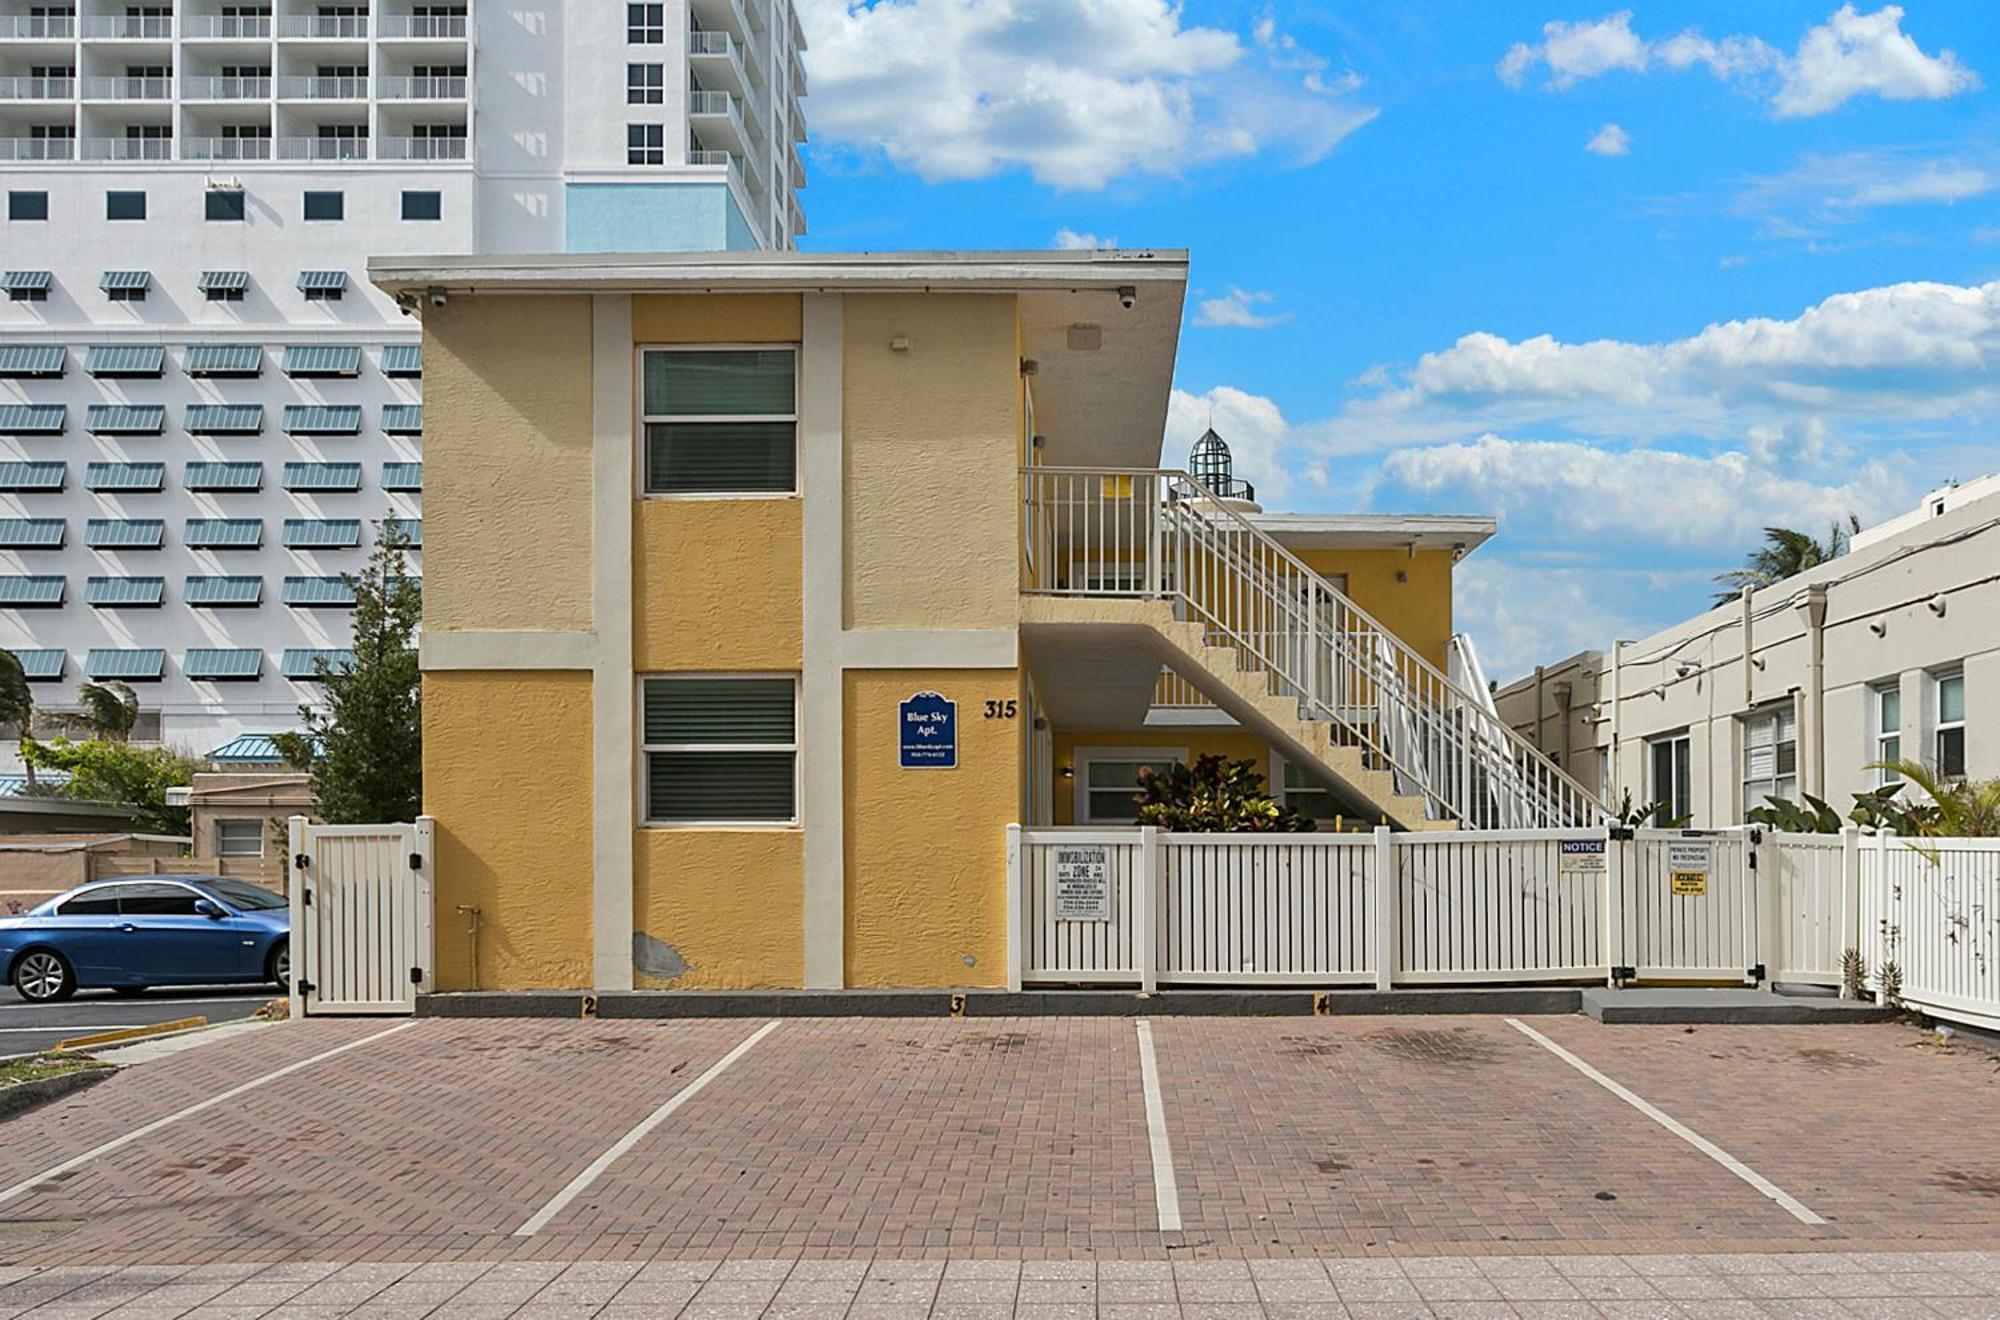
[44, 976]
[279, 966]
[130, 990]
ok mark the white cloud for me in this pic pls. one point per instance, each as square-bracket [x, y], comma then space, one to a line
[1238, 308]
[1851, 54]
[1069, 240]
[1826, 190]
[1075, 94]
[1611, 140]
[1520, 615]
[1933, 182]
[1855, 54]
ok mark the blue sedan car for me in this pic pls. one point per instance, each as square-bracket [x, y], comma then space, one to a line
[161, 930]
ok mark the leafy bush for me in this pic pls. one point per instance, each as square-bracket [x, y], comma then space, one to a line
[1947, 809]
[1215, 795]
[104, 770]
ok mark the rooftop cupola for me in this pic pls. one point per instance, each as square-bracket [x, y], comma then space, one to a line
[1212, 467]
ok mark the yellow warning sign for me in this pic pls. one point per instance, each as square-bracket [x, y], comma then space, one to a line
[1689, 884]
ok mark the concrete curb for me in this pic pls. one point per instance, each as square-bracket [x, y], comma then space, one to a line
[23, 1096]
[1662, 1007]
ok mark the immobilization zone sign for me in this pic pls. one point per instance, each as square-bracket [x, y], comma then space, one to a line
[1687, 869]
[1083, 882]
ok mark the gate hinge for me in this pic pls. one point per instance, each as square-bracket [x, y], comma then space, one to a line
[305, 987]
[1756, 837]
[305, 897]
[1750, 856]
[416, 861]
[300, 861]
[1622, 833]
[1622, 974]
[1757, 972]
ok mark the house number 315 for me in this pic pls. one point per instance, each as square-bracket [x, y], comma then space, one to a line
[1002, 710]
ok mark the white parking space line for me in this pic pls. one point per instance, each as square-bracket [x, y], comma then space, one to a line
[147, 1000]
[1166, 1191]
[80, 1028]
[595, 1170]
[1793, 1206]
[28, 1184]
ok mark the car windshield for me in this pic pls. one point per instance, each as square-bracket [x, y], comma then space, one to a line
[248, 897]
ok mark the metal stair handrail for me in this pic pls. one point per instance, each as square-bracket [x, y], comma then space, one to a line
[1278, 613]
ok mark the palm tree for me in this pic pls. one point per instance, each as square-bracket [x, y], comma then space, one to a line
[1785, 553]
[110, 709]
[1958, 808]
[17, 703]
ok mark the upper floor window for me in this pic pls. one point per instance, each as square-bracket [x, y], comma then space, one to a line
[645, 84]
[326, 206]
[1887, 701]
[645, 144]
[646, 25]
[721, 421]
[721, 750]
[1770, 756]
[24, 205]
[419, 205]
[1951, 726]
[1671, 786]
[125, 206]
[224, 204]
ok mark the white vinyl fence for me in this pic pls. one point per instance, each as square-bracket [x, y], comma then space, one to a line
[1133, 906]
[361, 917]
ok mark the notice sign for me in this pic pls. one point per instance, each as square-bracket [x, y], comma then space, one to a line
[1580, 855]
[1687, 869]
[1083, 882]
[927, 732]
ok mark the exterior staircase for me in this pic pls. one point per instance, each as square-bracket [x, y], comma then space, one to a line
[1278, 647]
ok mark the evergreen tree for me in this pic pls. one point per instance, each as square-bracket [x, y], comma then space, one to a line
[364, 746]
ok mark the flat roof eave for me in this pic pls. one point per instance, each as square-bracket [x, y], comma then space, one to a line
[1345, 531]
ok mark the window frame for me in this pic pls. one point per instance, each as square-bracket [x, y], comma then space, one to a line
[1684, 777]
[209, 198]
[644, 778]
[1776, 716]
[403, 205]
[645, 24]
[645, 83]
[1882, 737]
[1940, 726]
[640, 153]
[28, 199]
[1281, 787]
[221, 821]
[115, 196]
[644, 418]
[306, 200]
[1081, 760]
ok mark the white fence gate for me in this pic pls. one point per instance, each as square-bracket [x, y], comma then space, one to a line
[361, 917]
[1932, 908]
[1688, 906]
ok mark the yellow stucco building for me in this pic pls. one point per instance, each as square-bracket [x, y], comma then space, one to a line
[763, 591]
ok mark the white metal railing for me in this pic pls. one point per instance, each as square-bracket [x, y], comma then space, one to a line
[129, 27]
[447, 87]
[421, 148]
[241, 27]
[36, 27]
[226, 89]
[319, 148]
[20, 148]
[1141, 906]
[423, 27]
[220, 148]
[126, 148]
[37, 89]
[1159, 534]
[344, 27]
[710, 42]
[1172, 692]
[128, 89]
[314, 88]
[714, 103]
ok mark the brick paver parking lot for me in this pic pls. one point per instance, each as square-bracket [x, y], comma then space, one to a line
[1004, 1170]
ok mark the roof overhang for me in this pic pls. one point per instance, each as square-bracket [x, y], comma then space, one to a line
[1102, 370]
[1461, 534]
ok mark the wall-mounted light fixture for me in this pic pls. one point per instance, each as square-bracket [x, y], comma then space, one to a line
[1935, 605]
[1068, 772]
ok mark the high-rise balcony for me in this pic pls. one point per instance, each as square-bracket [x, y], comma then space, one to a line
[128, 148]
[37, 89]
[226, 27]
[718, 58]
[128, 89]
[323, 89]
[221, 148]
[422, 148]
[319, 148]
[422, 27]
[326, 27]
[718, 115]
[128, 27]
[20, 148]
[37, 27]
[226, 89]
[448, 88]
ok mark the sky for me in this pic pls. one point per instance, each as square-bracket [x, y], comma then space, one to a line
[1636, 281]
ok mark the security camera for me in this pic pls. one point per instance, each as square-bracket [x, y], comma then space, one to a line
[1128, 297]
[436, 296]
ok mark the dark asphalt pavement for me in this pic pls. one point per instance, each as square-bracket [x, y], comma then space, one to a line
[26, 1028]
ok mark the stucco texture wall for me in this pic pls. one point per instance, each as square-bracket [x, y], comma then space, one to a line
[507, 464]
[932, 433]
[926, 850]
[725, 909]
[1417, 610]
[507, 775]
[694, 318]
[1236, 744]
[715, 585]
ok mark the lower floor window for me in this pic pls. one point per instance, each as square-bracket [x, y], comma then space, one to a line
[1672, 786]
[645, 144]
[1304, 796]
[1770, 757]
[720, 750]
[1108, 793]
[239, 838]
[1951, 726]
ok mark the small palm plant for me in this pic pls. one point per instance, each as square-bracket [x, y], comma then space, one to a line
[1957, 808]
[17, 703]
[1786, 552]
[109, 708]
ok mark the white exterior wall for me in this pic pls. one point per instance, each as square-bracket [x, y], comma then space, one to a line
[1880, 628]
[545, 107]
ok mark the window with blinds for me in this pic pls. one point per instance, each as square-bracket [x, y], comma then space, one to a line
[1951, 726]
[721, 751]
[1770, 757]
[1671, 785]
[721, 421]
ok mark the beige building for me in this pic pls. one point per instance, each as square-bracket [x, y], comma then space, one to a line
[239, 822]
[1890, 652]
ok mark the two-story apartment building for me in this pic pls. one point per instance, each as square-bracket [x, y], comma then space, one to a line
[762, 592]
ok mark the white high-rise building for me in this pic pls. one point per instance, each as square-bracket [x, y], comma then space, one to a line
[205, 409]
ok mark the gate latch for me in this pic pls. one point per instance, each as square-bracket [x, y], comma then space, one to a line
[416, 861]
[416, 976]
[300, 861]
